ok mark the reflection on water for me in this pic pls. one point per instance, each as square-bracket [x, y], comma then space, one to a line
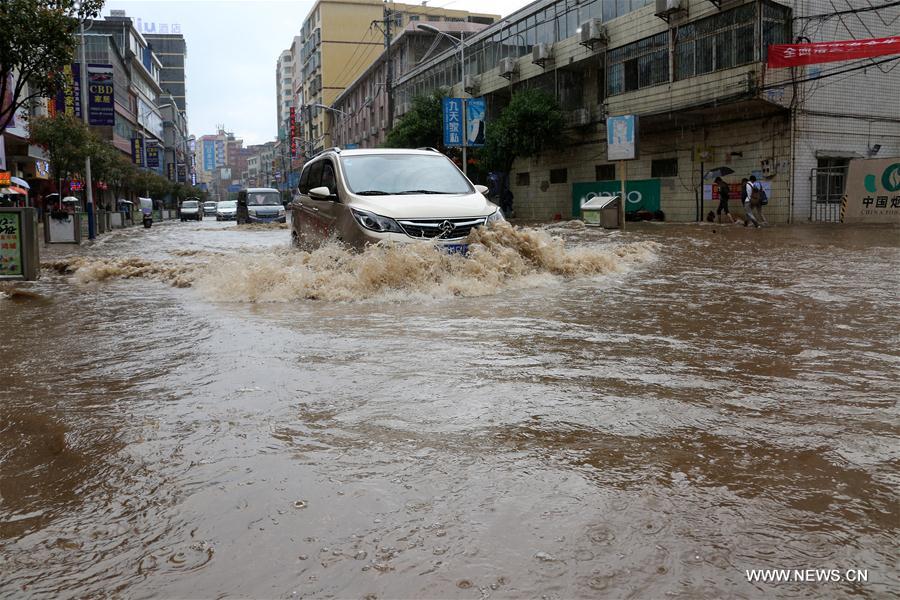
[198, 411]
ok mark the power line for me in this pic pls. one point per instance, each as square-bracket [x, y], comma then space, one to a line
[850, 11]
[832, 74]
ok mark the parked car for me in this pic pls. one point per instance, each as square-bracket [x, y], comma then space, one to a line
[226, 210]
[367, 196]
[260, 205]
[209, 208]
[191, 211]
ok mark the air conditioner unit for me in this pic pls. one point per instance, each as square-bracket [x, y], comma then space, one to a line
[666, 8]
[471, 83]
[540, 54]
[507, 67]
[581, 117]
[593, 33]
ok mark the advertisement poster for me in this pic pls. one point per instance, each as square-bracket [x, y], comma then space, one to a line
[621, 137]
[68, 100]
[475, 121]
[152, 149]
[873, 191]
[453, 121]
[209, 155]
[101, 96]
[641, 194]
[170, 172]
[794, 55]
[11, 245]
[182, 173]
[137, 151]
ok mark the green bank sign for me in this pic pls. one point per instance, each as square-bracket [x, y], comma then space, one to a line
[641, 194]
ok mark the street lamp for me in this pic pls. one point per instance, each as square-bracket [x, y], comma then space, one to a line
[462, 67]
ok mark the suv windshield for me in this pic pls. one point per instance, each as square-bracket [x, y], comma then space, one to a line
[189, 204]
[263, 198]
[377, 174]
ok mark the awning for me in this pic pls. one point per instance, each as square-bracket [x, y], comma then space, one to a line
[20, 182]
[12, 190]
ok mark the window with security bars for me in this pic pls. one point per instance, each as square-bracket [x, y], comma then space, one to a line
[605, 172]
[641, 64]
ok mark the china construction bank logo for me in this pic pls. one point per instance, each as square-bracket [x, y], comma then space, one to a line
[890, 180]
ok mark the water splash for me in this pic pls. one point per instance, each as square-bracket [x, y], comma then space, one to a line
[500, 257]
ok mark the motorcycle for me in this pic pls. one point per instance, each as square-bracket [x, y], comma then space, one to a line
[147, 211]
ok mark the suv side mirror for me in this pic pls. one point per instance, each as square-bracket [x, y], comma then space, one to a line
[481, 189]
[321, 193]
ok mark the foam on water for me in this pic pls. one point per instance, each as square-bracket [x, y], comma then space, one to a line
[500, 257]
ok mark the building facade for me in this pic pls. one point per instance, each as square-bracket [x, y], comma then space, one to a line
[695, 74]
[340, 42]
[361, 110]
[171, 49]
[284, 89]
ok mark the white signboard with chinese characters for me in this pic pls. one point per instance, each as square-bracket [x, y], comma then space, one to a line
[622, 137]
[873, 191]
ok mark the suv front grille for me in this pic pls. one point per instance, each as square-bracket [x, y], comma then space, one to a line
[445, 229]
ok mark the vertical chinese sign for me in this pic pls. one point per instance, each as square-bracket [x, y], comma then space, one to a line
[11, 245]
[137, 151]
[152, 148]
[293, 133]
[453, 121]
[101, 95]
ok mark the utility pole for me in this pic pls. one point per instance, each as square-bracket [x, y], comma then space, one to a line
[388, 17]
[87, 159]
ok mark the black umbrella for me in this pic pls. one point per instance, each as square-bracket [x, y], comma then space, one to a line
[720, 172]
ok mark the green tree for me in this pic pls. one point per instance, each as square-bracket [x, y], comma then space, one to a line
[531, 123]
[66, 140]
[112, 167]
[421, 126]
[37, 41]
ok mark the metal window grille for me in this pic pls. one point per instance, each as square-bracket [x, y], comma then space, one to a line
[638, 65]
[722, 41]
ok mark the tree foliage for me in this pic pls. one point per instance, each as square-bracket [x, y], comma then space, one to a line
[421, 126]
[532, 123]
[66, 139]
[38, 39]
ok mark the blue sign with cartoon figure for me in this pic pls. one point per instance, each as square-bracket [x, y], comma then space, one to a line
[475, 122]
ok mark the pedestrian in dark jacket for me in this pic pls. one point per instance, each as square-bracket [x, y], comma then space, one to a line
[723, 191]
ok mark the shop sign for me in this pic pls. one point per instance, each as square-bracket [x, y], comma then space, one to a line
[182, 173]
[76, 185]
[453, 121]
[293, 130]
[5, 179]
[11, 247]
[42, 169]
[137, 151]
[101, 95]
[873, 191]
[640, 194]
[152, 148]
[734, 191]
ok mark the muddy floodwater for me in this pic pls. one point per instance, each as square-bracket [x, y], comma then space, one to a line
[199, 411]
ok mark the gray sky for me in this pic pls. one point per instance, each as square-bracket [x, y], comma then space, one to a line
[233, 46]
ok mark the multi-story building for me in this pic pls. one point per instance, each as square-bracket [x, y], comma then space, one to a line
[284, 89]
[171, 49]
[361, 110]
[340, 42]
[695, 74]
[176, 153]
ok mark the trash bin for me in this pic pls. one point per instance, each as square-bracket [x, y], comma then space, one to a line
[602, 211]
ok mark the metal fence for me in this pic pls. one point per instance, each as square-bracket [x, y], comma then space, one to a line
[826, 190]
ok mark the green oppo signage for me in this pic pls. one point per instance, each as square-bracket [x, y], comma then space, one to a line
[641, 194]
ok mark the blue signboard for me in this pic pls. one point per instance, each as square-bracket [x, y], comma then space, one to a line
[453, 121]
[234, 187]
[101, 95]
[137, 151]
[152, 149]
[209, 155]
[475, 123]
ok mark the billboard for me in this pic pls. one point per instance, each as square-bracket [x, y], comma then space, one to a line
[795, 55]
[640, 194]
[101, 95]
[873, 191]
[209, 155]
[621, 137]
[220, 153]
[137, 151]
[475, 115]
[152, 150]
[453, 121]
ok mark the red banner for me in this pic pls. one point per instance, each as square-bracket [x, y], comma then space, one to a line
[795, 55]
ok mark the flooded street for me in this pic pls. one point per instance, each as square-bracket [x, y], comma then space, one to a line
[198, 410]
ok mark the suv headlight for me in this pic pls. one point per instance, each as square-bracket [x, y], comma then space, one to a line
[497, 217]
[374, 222]
[281, 211]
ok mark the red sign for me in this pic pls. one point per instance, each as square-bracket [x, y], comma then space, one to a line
[795, 55]
[293, 129]
[5, 178]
